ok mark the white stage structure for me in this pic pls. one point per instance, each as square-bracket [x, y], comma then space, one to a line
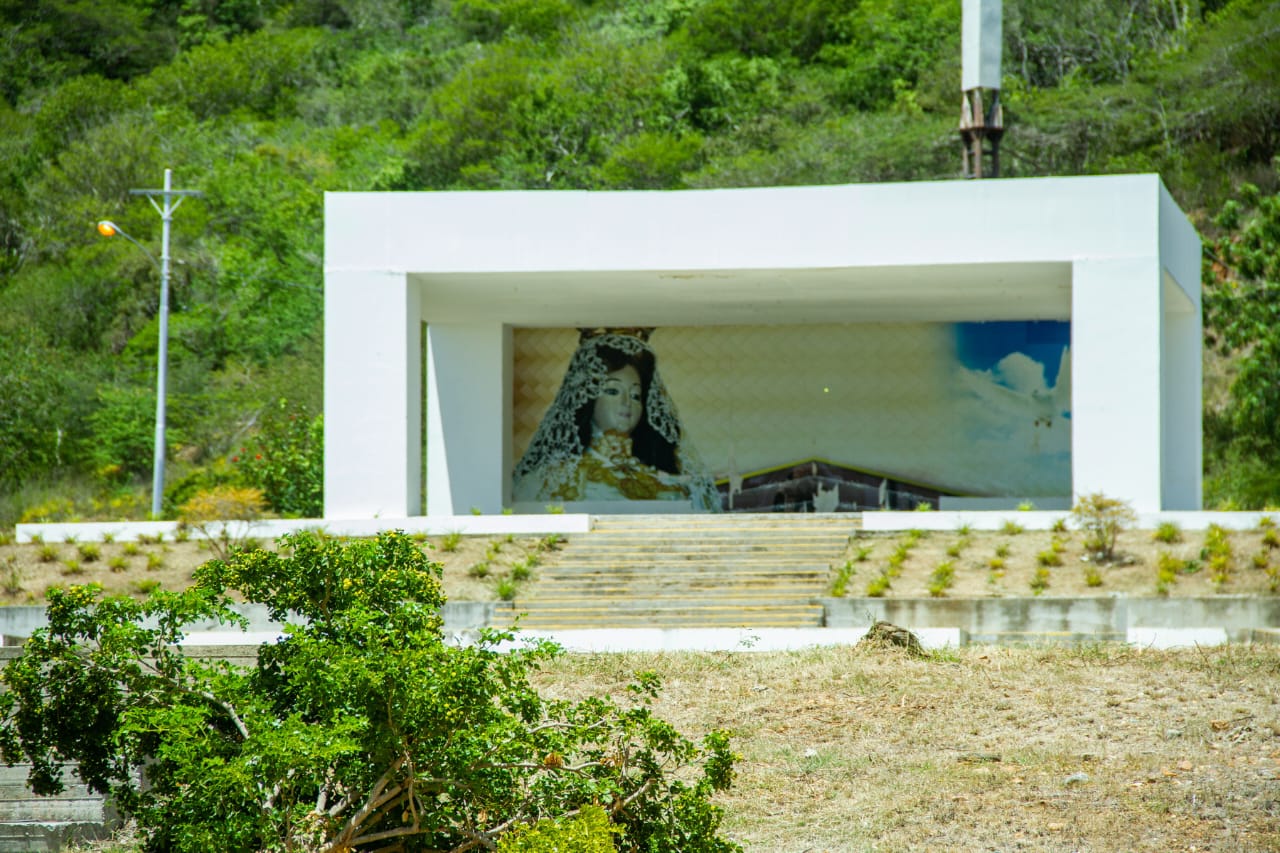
[450, 274]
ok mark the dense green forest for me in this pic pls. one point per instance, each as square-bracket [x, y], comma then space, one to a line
[264, 105]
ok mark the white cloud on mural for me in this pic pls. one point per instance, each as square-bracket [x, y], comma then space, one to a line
[1010, 413]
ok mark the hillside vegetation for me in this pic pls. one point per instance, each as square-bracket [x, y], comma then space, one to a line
[264, 105]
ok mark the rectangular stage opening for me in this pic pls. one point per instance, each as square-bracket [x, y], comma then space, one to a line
[789, 418]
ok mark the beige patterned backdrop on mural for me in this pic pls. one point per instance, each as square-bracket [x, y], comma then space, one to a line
[871, 396]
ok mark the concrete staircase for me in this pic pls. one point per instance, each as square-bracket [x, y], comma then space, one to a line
[689, 571]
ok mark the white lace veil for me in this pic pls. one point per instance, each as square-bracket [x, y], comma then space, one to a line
[557, 441]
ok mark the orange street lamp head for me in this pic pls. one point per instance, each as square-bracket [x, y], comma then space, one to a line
[107, 228]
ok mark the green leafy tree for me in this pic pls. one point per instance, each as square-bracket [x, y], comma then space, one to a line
[285, 460]
[1242, 316]
[361, 729]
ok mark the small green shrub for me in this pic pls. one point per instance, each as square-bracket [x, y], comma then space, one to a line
[506, 589]
[146, 586]
[1059, 525]
[223, 516]
[1218, 555]
[493, 549]
[1266, 523]
[862, 553]
[118, 564]
[550, 542]
[1002, 550]
[955, 549]
[71, 566]
[1011, 527]
[479, 570]
[1049, 557]
[1093, 576]
[1102, 519]
[108, 538]
[878, 585]
[942, 578]
[130, 549]
[1168, 533]
[13, 575]
[450, 541]
[1261, 559]
[47, 553]
[1167, 568]
[996, 564]
[520, 571]
[1040, 580]
[840, 581]
[89, 552]
[1271, 538]
[154, 561]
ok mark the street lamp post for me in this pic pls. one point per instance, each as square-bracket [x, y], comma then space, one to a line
[170, 199]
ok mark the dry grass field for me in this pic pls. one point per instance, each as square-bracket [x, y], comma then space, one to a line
[1100, 748]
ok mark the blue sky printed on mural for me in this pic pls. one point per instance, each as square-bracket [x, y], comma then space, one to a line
[1012, 383]
[980, 346]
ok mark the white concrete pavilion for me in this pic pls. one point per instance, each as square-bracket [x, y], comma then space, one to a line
[1112, 255]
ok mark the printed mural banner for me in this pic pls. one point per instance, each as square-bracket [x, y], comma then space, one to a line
[792, 418]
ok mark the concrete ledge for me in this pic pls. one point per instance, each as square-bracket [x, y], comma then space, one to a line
[898, 520]
[469, 525]
[1265, 636]
[721, 639]
[1086, 616]
[1176, 638]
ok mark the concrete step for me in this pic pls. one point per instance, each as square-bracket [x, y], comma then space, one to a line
[748, 520]
[621, 593]
[629, 600]
[691, 569]
[675, 615]
[671, 552]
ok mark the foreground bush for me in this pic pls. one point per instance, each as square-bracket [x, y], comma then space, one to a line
[361, 730]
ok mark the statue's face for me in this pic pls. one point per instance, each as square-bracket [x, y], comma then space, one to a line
[619, 407]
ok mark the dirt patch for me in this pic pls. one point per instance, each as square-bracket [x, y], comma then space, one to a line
[1017, 563]
[474, 566]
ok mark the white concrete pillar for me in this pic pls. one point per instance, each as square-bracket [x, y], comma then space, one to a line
[468, 417]
[372, 392]
[1182, 365]
[1180, 378]
[1116, 417]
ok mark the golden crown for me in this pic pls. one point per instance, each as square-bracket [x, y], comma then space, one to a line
[641, 332]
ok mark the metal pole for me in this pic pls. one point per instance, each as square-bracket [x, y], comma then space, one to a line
[171, 198]
[162, 356]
